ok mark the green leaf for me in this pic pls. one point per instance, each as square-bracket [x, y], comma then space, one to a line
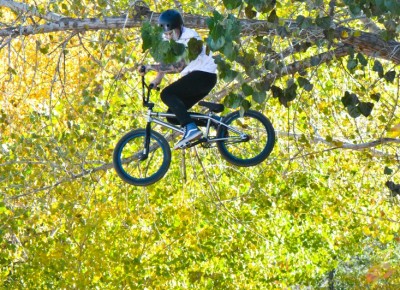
[216, 44]
[11, 70]
[376, 97]
[217, 17]
[224, 70]
[324, 22]
[283, 31]
[195, 47]
[272, 17]
[305, 83]
[315, 60]
[247, 90]
[270, 65]
[378, 68]
[393, 6]
[303, 22]
[230, 75]
[177, 48]
[365, 108]
[259, 96]
[387, 171]
[233, 100]
[329, 139]
[248, 59]
[389, 76]
[147, 35]
[290, 93]
[363, 61]
[232, 28]
[353, 111]
[44, 49]
[230, 51]
[262, 48]
[277, 92]
[232, 4]
[355, 9]
[250, 13]
[303, 139]
[102, 3]
[329, 34]
[167, 51]
[263, 86]
[350, 99]
[382, 118]
[262, 5]
[352, 64]
[245, 104]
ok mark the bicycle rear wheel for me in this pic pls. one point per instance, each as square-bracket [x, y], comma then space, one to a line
[128, 158]
[252, 145]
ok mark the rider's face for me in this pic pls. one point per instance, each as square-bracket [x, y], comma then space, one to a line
[172, 34]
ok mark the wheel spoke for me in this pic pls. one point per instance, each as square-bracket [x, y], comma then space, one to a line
[135, 170]
[258, 144]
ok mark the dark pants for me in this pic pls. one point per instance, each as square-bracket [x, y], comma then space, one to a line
[183, 94]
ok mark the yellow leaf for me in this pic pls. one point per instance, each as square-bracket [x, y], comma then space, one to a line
[344, 34]
[366, 230]
[395, 131]
[96, 278]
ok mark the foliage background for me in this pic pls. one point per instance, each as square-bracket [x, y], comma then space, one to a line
[313, 215]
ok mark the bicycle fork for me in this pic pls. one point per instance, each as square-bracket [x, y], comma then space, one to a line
[146, 145]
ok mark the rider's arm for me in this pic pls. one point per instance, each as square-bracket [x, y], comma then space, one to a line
[158, 79]
[167, 68]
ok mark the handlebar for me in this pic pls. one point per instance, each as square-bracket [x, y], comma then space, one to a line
[142, 69]
[146, 97]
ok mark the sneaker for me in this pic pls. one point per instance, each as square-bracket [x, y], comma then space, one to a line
[189, 135]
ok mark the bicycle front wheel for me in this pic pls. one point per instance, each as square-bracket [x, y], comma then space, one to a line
[130, 164]
[249, 139]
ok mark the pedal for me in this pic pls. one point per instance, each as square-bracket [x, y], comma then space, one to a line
[183, 146]
[193, 143]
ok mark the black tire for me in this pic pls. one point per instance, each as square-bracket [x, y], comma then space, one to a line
[257, 147]
[127, 163]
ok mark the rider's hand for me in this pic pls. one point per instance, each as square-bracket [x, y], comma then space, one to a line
[157, 80]
[154, 83]
[143, 69]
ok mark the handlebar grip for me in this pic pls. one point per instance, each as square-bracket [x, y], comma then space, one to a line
[142, 69]
[152, 87]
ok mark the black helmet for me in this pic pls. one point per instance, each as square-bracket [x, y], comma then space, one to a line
[170, 19]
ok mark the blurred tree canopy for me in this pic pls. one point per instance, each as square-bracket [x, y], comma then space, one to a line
[322, 211]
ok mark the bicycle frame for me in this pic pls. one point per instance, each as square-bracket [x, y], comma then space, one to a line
[153, 117]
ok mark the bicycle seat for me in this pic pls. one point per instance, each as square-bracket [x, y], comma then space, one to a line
[213, 107]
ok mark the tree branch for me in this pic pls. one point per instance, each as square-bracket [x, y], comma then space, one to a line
[346, 144]
[368, 43]
[306, 63]
[30, 10]
[335, 143]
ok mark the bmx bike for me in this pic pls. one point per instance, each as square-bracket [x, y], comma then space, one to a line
[143, 156]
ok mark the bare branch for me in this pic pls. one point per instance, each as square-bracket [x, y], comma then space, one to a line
[337, 144]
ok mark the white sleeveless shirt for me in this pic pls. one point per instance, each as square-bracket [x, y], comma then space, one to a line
[203, 62]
